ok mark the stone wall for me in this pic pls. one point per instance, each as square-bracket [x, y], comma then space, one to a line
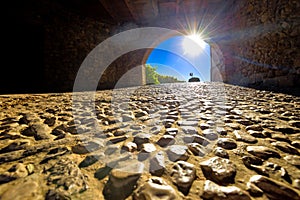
[46, 43]
[70, 38]
[254, 43]
[265, 44]
[125, 71]
[219, 27]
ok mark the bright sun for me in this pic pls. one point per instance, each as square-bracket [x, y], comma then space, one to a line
[193, 45]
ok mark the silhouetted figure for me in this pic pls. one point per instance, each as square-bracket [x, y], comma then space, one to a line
[194, 79]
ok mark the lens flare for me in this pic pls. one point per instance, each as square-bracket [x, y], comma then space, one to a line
[193, 45]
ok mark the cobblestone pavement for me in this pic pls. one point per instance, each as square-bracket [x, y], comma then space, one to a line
[173, 141]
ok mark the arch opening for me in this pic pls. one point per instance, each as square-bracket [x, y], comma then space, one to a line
[182, 57]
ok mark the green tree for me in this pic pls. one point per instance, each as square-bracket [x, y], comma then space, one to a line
[167, 79]
[151, 75]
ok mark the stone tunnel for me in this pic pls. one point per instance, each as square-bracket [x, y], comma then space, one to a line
[253, 43]
[78, 121]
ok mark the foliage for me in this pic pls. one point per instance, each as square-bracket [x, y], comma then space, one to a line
[167, 79]
[152, 77]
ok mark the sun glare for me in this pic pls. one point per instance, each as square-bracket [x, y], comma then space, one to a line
[193, 45]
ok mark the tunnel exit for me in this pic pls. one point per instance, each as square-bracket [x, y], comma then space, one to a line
[182, 57]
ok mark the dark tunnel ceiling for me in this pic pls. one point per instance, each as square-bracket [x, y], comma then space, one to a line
[145, 11]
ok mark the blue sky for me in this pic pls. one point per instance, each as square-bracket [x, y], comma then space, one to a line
[185, 62]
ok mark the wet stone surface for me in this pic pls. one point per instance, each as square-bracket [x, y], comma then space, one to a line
[172, 141]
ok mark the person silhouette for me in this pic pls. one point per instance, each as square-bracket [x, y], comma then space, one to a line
[194, 79]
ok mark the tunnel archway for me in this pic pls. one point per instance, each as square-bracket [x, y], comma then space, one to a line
[182, 56]
[134, 59]
[214, 58]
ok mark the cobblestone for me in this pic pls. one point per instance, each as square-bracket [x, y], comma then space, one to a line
[170, 141]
